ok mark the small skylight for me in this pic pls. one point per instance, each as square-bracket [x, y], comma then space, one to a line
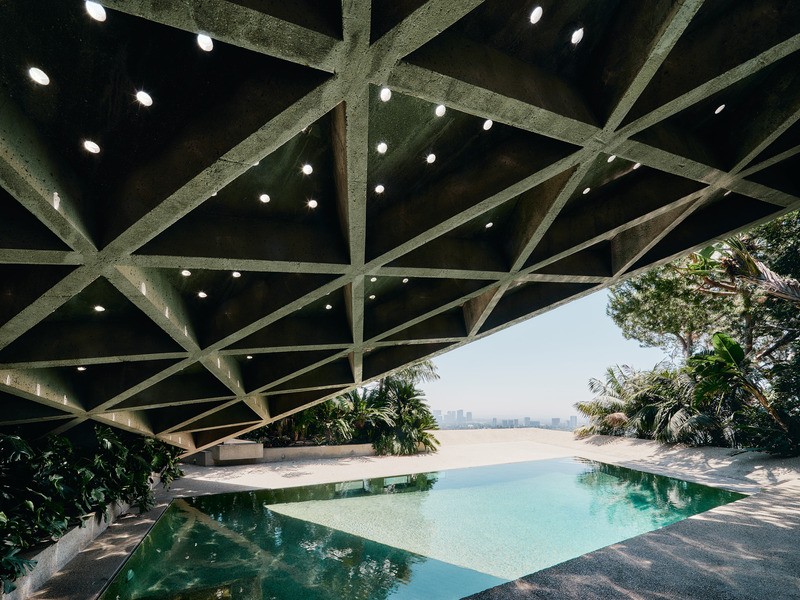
[96, 11]
[144, 98]
[38, 76]
[205, 42]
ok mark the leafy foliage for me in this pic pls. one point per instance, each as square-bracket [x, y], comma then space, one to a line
[48, 486]
[391, 415]
[742, 393]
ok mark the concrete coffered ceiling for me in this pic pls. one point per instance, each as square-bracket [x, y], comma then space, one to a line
[337, 189]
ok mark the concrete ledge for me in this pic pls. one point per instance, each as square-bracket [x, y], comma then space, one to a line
[306, 452]
[237, 450]
[55, 556]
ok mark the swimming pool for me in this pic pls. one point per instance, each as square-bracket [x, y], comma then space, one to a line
[432, 535]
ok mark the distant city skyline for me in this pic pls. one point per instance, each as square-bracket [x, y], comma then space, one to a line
[538, 368]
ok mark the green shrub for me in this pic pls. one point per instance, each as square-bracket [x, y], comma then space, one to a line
[47, 487]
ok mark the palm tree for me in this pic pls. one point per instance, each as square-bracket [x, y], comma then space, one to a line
[413, 420]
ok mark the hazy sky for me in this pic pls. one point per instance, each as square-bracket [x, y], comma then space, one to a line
[538, 368]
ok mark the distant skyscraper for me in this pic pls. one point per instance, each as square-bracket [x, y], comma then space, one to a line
[556, 422]
[527, 421]
[451, 415]
[460, 416]
[469, 416]
[536, 424]
[573, 422]
[494, 421]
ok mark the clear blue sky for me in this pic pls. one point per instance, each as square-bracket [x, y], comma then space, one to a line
[538, 368]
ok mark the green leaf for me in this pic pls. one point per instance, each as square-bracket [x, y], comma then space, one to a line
[727, 348]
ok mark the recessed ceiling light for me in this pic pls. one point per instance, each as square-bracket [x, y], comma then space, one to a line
[312, 204]
[487, 124]
[307, 169]
[249, 357]
[99, 308]
[720, 108]
[90, 146]
[489, 225]
[379, 189]
[202, 295]
[727, 193]
[328, 307]
[431, 158]
[96, 11]
[264, 198]
[382, 148]
[81, 368]
[214, 194]
[373, 279]
[205, 42]
[577, 36]
[440, 110]
[258, 162]
[236, 274]
[405, 280]
[144, 98]
[186, 272]
[372, 296]
[586, 191]
[386, 94]
[637, 165]
[536, 15]
[38, 76]
[611, 158]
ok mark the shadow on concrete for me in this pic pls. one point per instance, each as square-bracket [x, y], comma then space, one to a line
[746, 550]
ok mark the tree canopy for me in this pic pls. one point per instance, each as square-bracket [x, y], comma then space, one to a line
[729, 318]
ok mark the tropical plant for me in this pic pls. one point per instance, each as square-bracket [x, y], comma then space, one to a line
[49, 485]
[391, 414]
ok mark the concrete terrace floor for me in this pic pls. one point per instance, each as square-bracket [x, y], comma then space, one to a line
[745, 550]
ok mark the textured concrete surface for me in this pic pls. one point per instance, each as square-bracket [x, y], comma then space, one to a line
[601, 159]
[726, 551]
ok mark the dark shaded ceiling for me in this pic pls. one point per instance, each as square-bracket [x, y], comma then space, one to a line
[192, 280]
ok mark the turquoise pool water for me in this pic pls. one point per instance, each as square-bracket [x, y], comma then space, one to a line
[427, 536]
